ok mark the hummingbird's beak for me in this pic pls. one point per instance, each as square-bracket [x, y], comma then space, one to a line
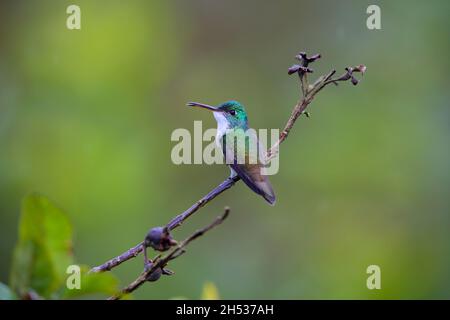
[204, 106]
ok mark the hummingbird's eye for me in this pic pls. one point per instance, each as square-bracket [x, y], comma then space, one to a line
[232, 112]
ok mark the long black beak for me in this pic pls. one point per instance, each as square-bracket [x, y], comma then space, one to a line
[204, 106]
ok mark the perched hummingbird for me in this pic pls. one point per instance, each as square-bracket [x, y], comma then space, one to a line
[232, 120]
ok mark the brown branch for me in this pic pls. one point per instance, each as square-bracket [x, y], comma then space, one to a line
[114, 262]
[156, 267]
[159, 238]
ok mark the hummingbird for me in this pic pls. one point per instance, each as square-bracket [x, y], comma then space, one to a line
[232, 121]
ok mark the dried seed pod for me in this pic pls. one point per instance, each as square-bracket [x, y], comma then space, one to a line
[159, 239]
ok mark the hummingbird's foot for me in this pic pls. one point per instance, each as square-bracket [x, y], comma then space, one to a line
[233, 174]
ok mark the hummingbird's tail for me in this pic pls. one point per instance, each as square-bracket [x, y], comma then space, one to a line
[270, 198]
[259, 183]
[267, 193]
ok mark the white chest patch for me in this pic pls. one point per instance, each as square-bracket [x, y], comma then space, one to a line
[222, 127]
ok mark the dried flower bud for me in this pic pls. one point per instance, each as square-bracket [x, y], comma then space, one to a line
[293, 69]
[159, 239]
[303, 57]
[347, 75]
[299, 69]
[155, 275]
[167, 272]
[314, 57]
[306, 70]
[361, 68]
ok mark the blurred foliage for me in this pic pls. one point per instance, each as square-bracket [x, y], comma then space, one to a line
[93, 284]
[44, 248]
[86, 118]
[6, 293]
[210, 292]
[43, 254]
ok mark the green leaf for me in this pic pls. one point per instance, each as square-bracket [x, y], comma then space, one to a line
[6, 293]
[93, 283]
[44, 248]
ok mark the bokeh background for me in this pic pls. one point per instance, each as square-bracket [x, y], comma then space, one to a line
[86, 118]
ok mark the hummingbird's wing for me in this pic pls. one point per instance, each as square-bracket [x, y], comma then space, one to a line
[245, 155]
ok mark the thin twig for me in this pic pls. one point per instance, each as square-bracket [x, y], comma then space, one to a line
[114, 262]
[158, 264]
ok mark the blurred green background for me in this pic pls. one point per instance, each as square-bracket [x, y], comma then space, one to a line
[86, 118]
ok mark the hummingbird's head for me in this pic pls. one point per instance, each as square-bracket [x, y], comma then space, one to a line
[230, 113]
